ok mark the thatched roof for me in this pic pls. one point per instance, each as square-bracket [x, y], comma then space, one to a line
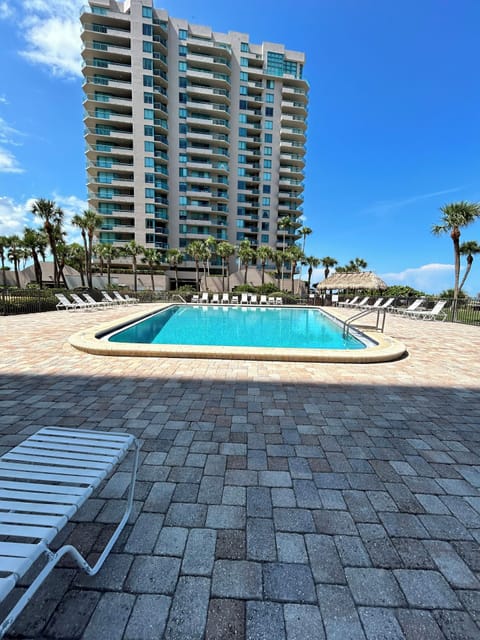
[360, 280]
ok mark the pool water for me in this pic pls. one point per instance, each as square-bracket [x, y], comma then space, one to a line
[239, 326]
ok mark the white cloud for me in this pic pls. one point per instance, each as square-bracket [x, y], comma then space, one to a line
[8, 135]
[384, 207]
[71, 205]
[431, 278]
[5, 11]
[8, 162]
[14, 217]
[52, 34]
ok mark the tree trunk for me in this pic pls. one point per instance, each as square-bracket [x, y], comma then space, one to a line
[38, 269]
[134, 274]
[246, 273]
[467, 271]
[263, 273]
[109, 265]
[455, 235]
[153, 280]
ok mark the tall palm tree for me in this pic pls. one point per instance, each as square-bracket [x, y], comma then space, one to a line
[15, 254]
[152, 258]
[294, 255]
[196, 250]
[88, 223]
[174, 258]
[225, 250]
[279, 260]
[206, 255]
[79, 221]
[132, 249]
[455, 216]
[284, 224]
[52, 217]
[4, 244]
[354, 266]
[328, 263]
[246, 253]
[211, 245]
[468, 249]
[304, 231]
[108, 252]
[35, 244]
[312, 263]
[75, 258]
[264, 253]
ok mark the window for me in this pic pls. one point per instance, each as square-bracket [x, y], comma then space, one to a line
[274, 63]
[265, 213]
[268, 124]
[241, 172]
[182, 187]
[149, 178]
[269, 111]
[269, 97]
[264, 238]
[183, 172]
[242, 145]
[182, 157]
[243, 62]
[182, 82]
[182, 143]
[290, 68]
[182, 201]
[242, 131]
[149, 193]
[182, 66]
[148, 81]
[182, 50]
[148, 146]
[265, 226]
[149, 162]
[148, 98]
[149, 208]
[267, 151]
[266, 188]
[147, 47]
[182, 112]
[241, 184]
[244, 47]
[182, 34]
[267, 137]
[240, 224]
[242, 159]
[243, 90]
[182, 97]
[148, 114]
[147, 130]
[243, 76]
[267, 164]
[148, 64]
[147, 29]
[270, 84]
[243, 104]
[265, 201]
[147, 12]
[267, 176]
[182, 128]
[242, 118]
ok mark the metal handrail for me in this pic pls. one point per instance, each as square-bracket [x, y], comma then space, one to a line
[379, 326]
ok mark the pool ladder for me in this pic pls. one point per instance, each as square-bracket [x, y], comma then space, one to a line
[379, 325]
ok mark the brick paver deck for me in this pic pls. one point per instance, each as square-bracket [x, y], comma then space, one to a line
[283, 501]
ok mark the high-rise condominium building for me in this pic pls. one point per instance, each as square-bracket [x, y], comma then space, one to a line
[190, 133]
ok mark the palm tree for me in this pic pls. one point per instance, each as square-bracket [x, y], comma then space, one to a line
[354, 266]
[304, 231]
[88, 223]
[264, 253]
[284, 224]
[108, 252]
[294, 255]
[468, 249]
[4, 244]
[196, 250]
[152, 258]
[15, 254]
[206, 255]
[246, 253]
[35, 244]
[76, 258]
[80, 222]
[455, 216]
[132, 250]
[211, 245]
[225, 250]
[328, 263]
[312, 263]
[279, 260]
[174, 258]
[52, 217]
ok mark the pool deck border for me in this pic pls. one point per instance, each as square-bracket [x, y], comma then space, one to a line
[385, 349]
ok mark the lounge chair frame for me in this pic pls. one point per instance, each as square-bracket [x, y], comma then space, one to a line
[44, 482]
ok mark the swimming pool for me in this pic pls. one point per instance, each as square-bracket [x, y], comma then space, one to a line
[228, 326]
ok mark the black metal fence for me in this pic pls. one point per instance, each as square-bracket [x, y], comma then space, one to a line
[18, 301]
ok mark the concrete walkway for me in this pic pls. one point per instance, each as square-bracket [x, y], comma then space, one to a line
[275, 500]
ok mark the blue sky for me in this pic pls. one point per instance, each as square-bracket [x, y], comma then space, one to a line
[393, 126]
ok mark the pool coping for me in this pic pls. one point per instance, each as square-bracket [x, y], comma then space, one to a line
[89, 340]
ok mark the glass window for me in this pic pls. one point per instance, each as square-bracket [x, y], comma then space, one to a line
[241, 172]
[265, 201]
[242, 158]
[267, 176]
[182, 186]
[241, 184]
[149, 162]
[182, 143]
[290, 68]
[149, 178]
[240, 224]
[148, 98]
[182, 201]
[148, 81]
[265, 238]
[265, 213]
[182, 97]
[244, 47]
[147, 12]
[270, 84]
[182, 82]
[182, 50]
[274, 63]
[182, 34]
[265, 226]
[147, 47]
[182, 157]
[149, 193]
[267, 164]
[242, 131]
[243, 76]
[147, 130]
[182, 112]
[267, 137]
[243, 90]
[269, 111]
[183, 172]
[148, 114]
[149, 208]
[147, 29]
[148, 64]
[266, 188]
[148, 146]
[243, 62]
[269, 97]
[182, 128]
[267, 151]
[242, 145]
[242, 118]
[243, 104]
[268, 124]
[182, 66]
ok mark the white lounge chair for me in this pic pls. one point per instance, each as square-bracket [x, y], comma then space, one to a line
[362, 303]
[263, 299]
[45, 480]
[271, 300]
[205, 297]
[349, 303]
[195, 298]
[278, 300]
[244, 298]
[108, 298]
[86, 306]
[376, 304]
[387, 304]
[412, 307]
[253, 299]
[234, 300]
[225, 298]
[215, 298]
[65, 303]
[126, 299]
[429, 314]
[101, 304]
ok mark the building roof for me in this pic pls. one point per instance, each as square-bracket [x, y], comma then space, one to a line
[360, 280]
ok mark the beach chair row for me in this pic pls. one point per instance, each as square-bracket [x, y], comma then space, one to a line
[414, 310]
[85, 302]
[244, 298]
